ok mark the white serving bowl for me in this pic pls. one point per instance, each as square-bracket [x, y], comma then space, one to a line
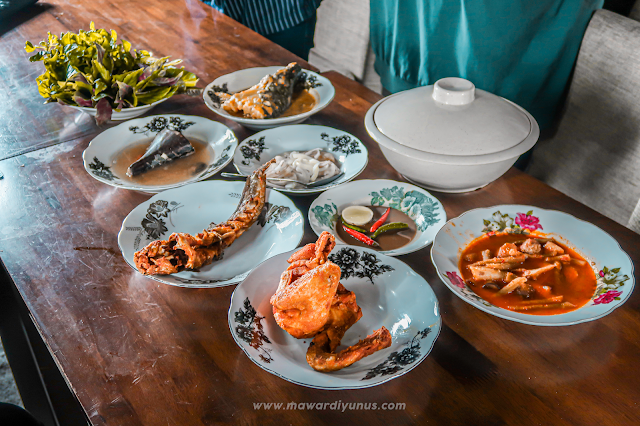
[451, 137]
[243, 79]
[124, 113]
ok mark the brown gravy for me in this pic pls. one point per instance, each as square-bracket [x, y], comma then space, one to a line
[389, 240]
[175, 171]
[300, 103]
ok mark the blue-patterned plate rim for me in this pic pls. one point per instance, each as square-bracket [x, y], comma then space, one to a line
[102, 146]
[423, 238]
[356, 152]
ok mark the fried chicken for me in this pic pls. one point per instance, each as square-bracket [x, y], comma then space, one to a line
[310, 301]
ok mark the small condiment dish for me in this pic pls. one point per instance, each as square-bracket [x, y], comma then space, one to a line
[423, 208]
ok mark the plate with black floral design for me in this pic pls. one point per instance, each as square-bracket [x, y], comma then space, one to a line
[422, 210]
[349, 152]
[109, 154]
[611, 266]
[390, 294]
[195, 207]
[317, 86]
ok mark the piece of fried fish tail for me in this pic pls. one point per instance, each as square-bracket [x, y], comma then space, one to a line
[184, 251]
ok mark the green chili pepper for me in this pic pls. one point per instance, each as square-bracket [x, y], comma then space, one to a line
[389, 227]
[348, 225]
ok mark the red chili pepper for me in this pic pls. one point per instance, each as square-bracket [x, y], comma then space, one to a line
[380, 221]
[360, 237]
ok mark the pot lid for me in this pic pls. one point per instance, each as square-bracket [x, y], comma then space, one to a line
[452, 117]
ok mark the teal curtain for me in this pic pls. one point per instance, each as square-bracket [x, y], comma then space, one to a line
[523, 50]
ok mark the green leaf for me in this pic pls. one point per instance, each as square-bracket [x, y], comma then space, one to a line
[616, 270]
[486, 222]
[102, 71]
[530, 212]
[153, 95]
[99, 86]
[37, 57]
[101, 59]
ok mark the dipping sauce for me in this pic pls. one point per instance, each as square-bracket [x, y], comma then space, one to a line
[389, 240]
[300, 103]
[176, 171]
[561, 288]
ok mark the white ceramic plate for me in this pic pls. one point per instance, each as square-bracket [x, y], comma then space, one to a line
[425, 210]
[243, 79]
[193, 208]
[124, 113]
[613, 267]
[103, 150]
[263, 146]
[395, 297]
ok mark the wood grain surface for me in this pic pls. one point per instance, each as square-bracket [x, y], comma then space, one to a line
[137, 352]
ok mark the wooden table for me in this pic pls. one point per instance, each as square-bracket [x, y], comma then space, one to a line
[136, 352]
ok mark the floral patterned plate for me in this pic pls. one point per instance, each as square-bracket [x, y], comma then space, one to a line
[425, 210]
[102, 154]
[279, 228]
[613, 267]
[240, 80]
[390, 294]
[262, 147]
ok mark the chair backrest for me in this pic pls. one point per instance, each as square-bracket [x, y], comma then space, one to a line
[594, 156]
[341, 41]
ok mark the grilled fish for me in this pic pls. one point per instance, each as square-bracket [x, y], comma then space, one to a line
[183, 251]
[168, 145]
[270, 98]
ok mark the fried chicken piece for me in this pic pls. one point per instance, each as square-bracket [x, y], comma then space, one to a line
[343, 314]
[310, 301]
[302, 307]
[307, 288]
[321, 358]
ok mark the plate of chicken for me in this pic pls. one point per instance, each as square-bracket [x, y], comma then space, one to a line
[265, 97]
[334, 317]
[531, 265]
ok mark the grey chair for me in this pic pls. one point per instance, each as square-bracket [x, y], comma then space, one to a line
[342, 41]
[594, 156]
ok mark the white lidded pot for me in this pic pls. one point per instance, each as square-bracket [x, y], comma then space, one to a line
[450, 136]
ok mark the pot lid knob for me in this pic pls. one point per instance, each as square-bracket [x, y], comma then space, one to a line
[454, 91]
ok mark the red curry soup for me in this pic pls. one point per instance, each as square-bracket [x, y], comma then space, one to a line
[527, 273]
